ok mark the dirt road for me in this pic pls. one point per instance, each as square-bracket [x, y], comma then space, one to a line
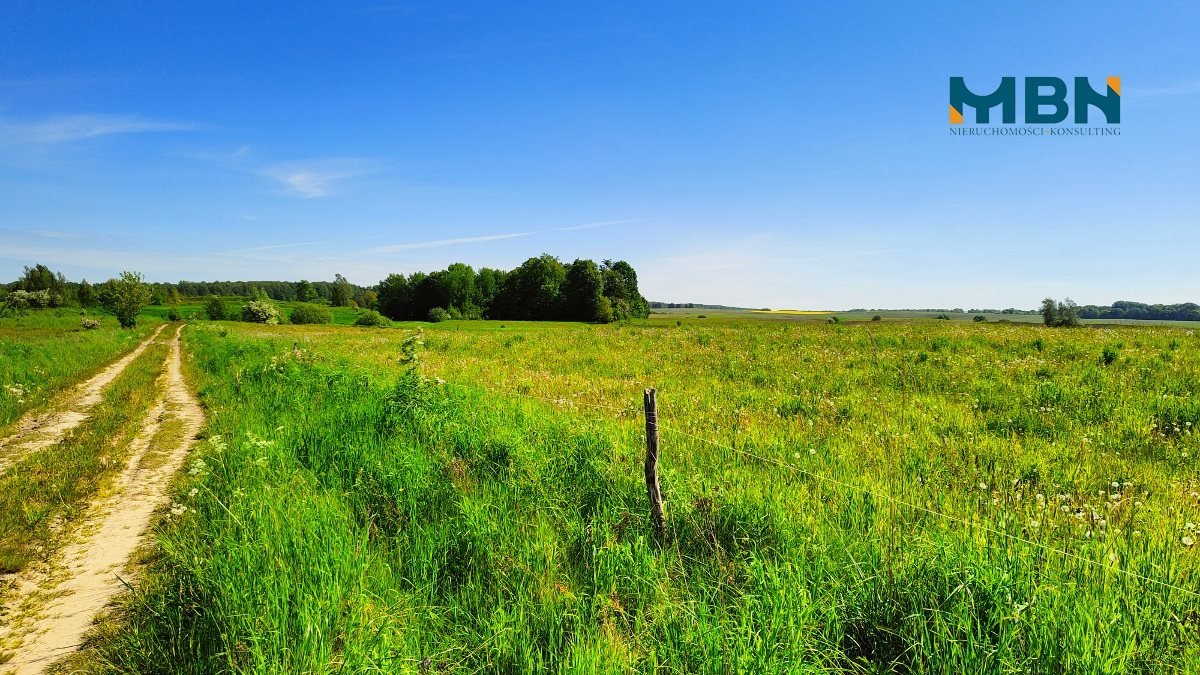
[55, 606]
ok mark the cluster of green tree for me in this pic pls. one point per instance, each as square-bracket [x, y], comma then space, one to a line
[1065, 313]
[51, 289]
[1124, 309]
[542, 288]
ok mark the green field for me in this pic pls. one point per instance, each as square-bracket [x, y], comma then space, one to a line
[900, 496]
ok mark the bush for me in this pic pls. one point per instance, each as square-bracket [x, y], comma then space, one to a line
[215, 309]
[1109, 355]
[979, 318]
[372, 319]
[35, 299]
[260, 311]
[310, 313]
[174, 315]
[438, 315]
[877, 318]
[128, 295]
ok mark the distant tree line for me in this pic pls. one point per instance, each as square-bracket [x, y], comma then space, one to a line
[338, 292]
[542, 288]
[1125, 309]
[654, 304]
[956, 310]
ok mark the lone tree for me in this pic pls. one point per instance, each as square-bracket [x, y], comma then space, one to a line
[1055, 314]
[129, 295]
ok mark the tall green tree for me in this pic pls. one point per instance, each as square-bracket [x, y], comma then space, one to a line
[533, 291]
[305, 291]
[459, 282]
[87, 294]
[395, 297]
[41, 278]
[583, 293]
[128, 297]
[1049, 312]
[621, 288]
[342, 292]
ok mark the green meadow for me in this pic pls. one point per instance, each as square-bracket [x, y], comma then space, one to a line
[895, 496]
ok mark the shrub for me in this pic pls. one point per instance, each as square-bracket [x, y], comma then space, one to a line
[310, 313]
[372, 319]
[260, 311]
[34, 299]
[877, 318]
[128, 296]
[438, 315]
[979, 318]
[943, 317]
[174, 315]
[215, 309]
[1109, 355]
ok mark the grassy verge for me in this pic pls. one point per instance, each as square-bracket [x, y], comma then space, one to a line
[348, 518]
[54, 485]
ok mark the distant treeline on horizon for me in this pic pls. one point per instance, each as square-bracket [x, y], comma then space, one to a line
[541, 288]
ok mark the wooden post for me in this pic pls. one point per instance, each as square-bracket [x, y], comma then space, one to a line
[653, 491]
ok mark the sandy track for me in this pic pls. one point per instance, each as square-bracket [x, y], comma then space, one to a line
[42, 431]
[90, 571]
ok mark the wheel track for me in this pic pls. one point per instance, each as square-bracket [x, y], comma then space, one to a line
[94, 568]
[37, 432]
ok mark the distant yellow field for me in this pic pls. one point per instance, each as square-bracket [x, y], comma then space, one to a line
[788, 311]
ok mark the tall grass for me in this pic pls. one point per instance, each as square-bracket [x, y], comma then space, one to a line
[349, 517]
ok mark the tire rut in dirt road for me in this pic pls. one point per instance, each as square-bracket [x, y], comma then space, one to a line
[48, 428]
[94, 568]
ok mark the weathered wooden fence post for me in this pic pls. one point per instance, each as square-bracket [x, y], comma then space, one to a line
[653, 491]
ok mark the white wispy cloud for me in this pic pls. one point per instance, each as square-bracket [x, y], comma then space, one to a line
[66, 128]
[603, 223]
[318, 178]
[437, 243]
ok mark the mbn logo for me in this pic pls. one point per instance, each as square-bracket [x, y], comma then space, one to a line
[1045, 101]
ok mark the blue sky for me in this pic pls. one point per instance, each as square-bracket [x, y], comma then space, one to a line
[760, 154]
